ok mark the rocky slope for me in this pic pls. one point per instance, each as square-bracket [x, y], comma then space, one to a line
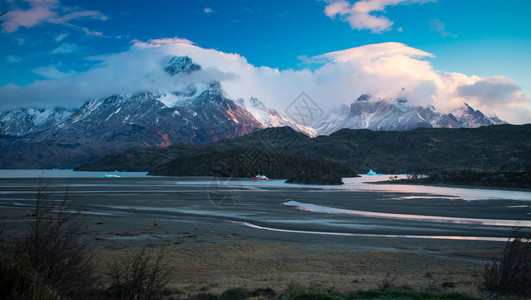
[24, 121]
[396, 115]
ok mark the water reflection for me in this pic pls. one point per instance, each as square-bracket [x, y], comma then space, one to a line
[453, 220]
[347, 234]
[366, 183]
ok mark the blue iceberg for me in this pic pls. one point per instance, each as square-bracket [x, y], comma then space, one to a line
[372, 173]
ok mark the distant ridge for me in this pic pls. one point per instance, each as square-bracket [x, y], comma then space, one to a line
[395, 114]
[423, 150]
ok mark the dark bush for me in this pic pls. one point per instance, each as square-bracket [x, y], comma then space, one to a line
[51, 253]
[511, 275]
[18, 281]
[141, 275]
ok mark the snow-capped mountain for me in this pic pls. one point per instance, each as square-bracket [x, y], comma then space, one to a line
[395, 114]
[200, 106]
[180, 64]
[198, 113]
[475, 118]
[24, 121]
[143, 120]
[192, 112]
[271, 118]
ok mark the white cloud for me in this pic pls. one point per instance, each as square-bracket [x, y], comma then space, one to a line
[13, 59]
[61, 37]
[208, 10]
[497, 94]
[50, 72]
[438, 26]
[46, 11]
[365, 14]
[337, 78]
[490, 90]
[369, 52]
[66, 48]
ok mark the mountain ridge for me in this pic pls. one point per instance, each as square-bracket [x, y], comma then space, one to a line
[423, 150]
[394, 114]
[191, 112]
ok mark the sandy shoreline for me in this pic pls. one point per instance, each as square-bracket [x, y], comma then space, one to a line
[210, 252]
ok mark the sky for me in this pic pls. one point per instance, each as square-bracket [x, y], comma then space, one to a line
[443, 52]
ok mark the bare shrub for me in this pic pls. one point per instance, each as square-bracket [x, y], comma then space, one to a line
[18, 280]
[142, 275]
[53, 247]
[511, 275]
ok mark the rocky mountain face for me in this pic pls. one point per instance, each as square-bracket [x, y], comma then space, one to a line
[195, 112]
[198, 113]
[122, 122]
[396, 115]
[180, 64]
[272, 118]
[143, 120]
[24, 121]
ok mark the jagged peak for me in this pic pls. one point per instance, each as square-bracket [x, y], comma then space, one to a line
[240, 102]
[174, 65]
[213, 94]
[466, 106]
[401, 98]
[255, 102]
[364, 98]
[214, 88]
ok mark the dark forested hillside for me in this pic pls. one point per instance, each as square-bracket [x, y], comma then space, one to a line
[278, 150]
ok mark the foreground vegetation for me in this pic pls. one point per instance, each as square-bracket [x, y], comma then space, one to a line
[302, 293]
[51, 262]
[383, 294]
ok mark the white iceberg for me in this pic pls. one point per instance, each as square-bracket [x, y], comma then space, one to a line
[110, 176]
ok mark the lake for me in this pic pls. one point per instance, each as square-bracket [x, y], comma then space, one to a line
[272, 209]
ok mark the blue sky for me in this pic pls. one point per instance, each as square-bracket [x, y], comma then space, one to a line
[45, 40]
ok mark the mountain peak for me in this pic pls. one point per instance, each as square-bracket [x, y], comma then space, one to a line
[180, 64]
[402, 96]
[364, 98]
[214, 88]
[257, 103]
[396, 114]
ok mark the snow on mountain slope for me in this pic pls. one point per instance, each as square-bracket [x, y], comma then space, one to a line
[367, 112]
[271, 118]
[475, 118]
[143, 120]
[24, 121]
[180, 64]
[200, 109]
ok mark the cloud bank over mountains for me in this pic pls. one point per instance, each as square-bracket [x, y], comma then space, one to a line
[338, 78]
